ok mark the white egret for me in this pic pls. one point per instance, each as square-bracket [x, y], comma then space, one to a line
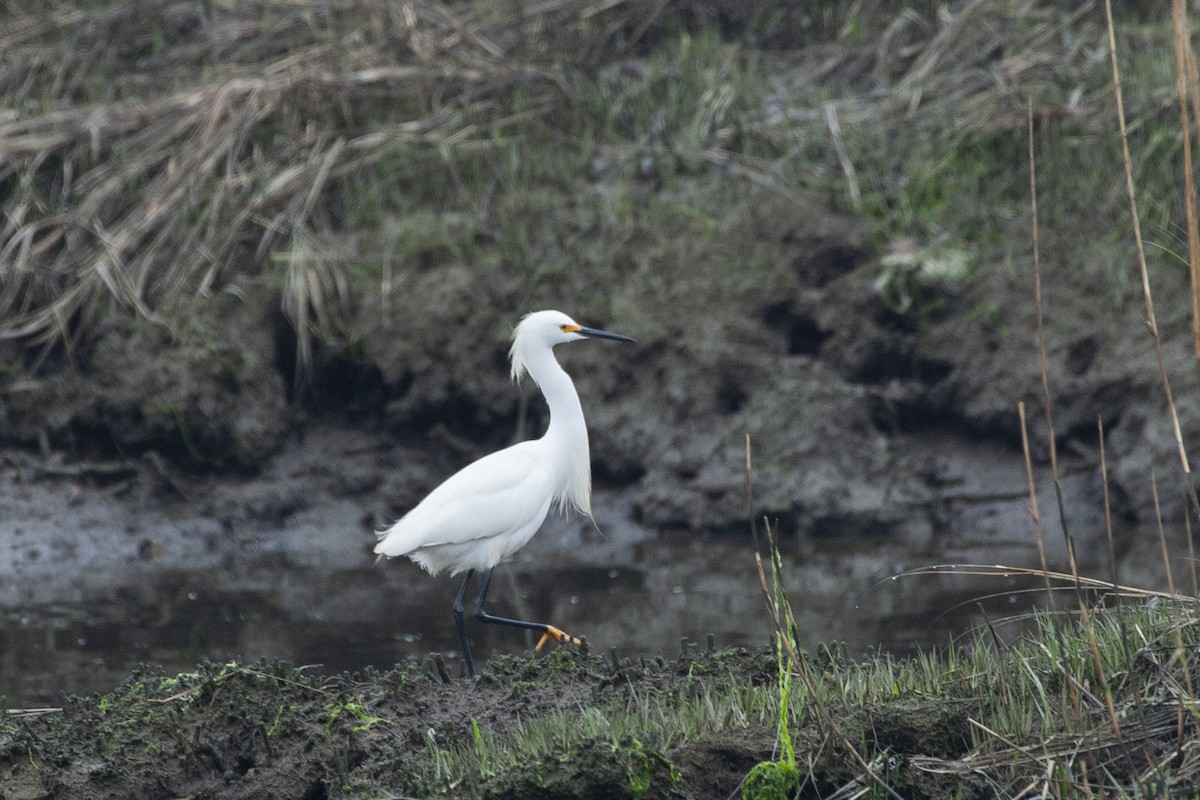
[491, 508]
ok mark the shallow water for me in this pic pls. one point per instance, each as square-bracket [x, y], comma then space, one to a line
[638, 592]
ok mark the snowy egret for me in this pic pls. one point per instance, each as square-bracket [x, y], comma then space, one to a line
[491, 508]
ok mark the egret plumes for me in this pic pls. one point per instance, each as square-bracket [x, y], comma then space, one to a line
[491, 508]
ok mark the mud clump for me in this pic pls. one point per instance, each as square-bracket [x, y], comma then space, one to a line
[199, 387]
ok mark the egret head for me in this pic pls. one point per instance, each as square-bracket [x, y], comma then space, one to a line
[541, 330]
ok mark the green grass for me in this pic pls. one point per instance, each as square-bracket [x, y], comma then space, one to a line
[655, 721]
[1032, 706]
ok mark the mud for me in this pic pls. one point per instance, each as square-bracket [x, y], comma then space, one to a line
[269, 730]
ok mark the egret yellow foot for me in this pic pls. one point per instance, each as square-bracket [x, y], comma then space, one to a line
[558, 636]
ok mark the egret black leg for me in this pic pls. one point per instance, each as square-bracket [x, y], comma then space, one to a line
[547, 631]
[458, 621]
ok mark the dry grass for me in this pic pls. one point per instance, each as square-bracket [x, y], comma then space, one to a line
[160, 150]
[220, 141]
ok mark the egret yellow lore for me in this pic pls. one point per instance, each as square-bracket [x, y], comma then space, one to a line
[491, 508]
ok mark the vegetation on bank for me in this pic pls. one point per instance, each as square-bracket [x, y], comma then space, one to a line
[156, 151]
[1106, 709]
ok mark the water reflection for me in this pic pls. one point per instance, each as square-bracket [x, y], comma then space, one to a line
[641, 596]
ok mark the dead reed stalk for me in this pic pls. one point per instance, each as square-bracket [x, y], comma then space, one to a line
[1186, 87]
[1147, 295]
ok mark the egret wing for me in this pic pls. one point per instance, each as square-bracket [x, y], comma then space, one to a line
[499, 494]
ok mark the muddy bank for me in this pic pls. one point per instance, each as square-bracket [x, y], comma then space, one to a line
[863, 424]
[969, 722]
[271, 731]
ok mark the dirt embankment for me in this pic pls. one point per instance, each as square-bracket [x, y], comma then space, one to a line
[271, 731]
[862, 422]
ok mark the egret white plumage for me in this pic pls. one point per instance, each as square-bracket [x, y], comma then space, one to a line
[491, 508]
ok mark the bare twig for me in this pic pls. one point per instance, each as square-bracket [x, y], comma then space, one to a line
[1184, 66]
[1180, 650]
[1041, 339]
[1108, 528]
[1151, 318]
[1033, 503]
[835, 132]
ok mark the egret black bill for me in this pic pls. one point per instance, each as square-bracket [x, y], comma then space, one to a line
[599, 334]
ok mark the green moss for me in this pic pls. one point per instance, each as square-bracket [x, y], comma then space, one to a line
[772, 780]
[644, 766]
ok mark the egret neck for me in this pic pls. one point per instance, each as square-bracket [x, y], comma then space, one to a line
[566, 438]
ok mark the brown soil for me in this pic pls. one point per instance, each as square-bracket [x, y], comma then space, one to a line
[269, 730]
